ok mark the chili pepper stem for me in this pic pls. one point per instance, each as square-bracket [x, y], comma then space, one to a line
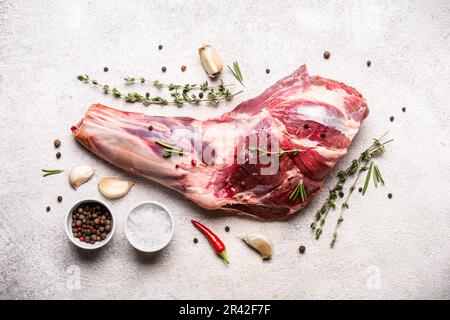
[224, 256]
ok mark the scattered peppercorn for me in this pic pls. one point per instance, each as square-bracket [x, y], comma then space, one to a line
[341, 194]
[59, 199]
[227, 229]
[327, 54]
[183, 68]
[105, 69]
[390, 195]
[301, 249]
[195, 240]
[200, 95]
[193, 162]
[243, 184]
[163, 69]
[48, 209]
[391, 118]
[150, 127]
[404, 109]
[147, 95]
[267, 71]
[306, 126]
[57, 143]
[360, 189]
[322, 135]
[160, 47]
[177, 166]
[369, 63]
[58, 155]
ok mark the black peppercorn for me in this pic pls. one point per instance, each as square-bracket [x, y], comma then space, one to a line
[322, 135]
[147, 95]
[267, 71]
[369, 63]
[195, 240]
[150, 128]
[58, 155]
[105, 69]
[200, 95]
[391, 118]
[227, 229]
[390, 195]
[360, 189]
[183, 68]
[160, 47]
[48, 209]
[57, 143]
[59, 198]
[404, 109]
[327, 54]
[306, 126]
[163, 69]
[341, 194]
[302, 249]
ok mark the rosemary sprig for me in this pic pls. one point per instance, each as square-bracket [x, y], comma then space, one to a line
[169, 149]
[280, 151]
[359, 165]
[48, 172]
[236, 71]
[180, 94]
[299, 190]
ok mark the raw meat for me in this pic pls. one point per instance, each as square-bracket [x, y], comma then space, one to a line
[232, 162]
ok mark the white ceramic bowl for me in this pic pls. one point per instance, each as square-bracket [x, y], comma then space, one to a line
[84, 245]
[137, 245]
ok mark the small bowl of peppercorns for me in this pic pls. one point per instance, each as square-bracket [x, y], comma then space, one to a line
[90, 224]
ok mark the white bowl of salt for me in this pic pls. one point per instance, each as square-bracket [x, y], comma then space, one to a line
[149, 226]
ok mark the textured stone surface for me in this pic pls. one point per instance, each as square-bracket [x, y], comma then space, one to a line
[395, 248]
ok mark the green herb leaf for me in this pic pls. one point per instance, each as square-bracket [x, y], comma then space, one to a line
[236, 71]
[366, 183]
[48, 172]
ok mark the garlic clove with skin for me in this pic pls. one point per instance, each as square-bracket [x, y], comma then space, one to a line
[211, 61]
[114, 188]
[79, 175]
[260, 243]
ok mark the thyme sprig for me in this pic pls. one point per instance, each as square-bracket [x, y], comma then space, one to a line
[169, 149]
[180, 94]
[236, 71]
[357, 166]
[159, 85]
[48, 172]
[299, 191]
[377, 178]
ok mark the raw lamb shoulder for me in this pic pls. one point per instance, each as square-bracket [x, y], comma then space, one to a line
[249, 160]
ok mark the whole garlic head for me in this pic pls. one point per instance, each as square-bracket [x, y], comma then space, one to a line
[260, 243]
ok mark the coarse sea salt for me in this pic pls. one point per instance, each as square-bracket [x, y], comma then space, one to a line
[149, 227]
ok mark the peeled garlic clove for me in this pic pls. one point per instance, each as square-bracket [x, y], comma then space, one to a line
[260, 243]
[211, 61]
[79, 175]
[114, 188]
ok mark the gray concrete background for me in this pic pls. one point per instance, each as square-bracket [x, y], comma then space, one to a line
[387, 249]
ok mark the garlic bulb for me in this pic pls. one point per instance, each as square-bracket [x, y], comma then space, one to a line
[79, 175]
[211, 61]
[114, 188]
[260, 243]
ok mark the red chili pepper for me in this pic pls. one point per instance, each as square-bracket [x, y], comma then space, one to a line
[213, 239]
